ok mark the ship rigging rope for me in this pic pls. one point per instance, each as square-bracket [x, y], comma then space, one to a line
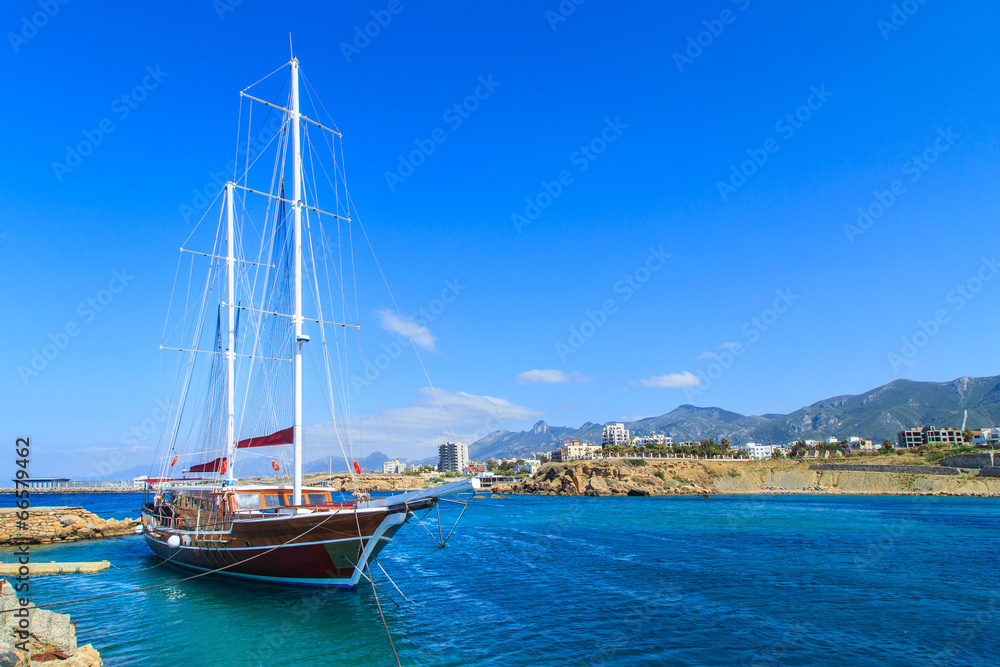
[342, 392]
[194, 576]
[378, 604]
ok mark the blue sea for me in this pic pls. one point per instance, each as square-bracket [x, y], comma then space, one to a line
[766, 580]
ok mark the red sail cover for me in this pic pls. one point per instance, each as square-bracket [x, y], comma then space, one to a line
[211, 466]
[283, 437]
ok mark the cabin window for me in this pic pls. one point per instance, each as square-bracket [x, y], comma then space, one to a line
[318, 498]
[272, 499]
[248, 501]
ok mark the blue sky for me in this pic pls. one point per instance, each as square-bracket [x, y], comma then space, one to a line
[684, 265]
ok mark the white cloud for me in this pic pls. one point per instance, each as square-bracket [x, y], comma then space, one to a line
[672, 380]
[418, 333]
[417, 429]
[707, 355]
[551, 377]
[730, 346]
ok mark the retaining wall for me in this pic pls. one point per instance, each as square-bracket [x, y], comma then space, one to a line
[912, 470]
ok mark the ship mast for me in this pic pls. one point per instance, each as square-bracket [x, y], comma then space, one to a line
[300, 338]
[231, 341]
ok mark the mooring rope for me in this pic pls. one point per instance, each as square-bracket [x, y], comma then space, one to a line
[178, 581]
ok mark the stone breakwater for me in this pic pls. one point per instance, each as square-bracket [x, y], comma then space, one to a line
[692, 477]
[30, 636]
[45, 525]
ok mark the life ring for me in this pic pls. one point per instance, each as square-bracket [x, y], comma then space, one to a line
[274, 464]
[174, 461]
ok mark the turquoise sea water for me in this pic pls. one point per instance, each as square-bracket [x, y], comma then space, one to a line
[782, 580]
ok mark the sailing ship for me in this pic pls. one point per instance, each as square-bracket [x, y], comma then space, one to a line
[240, 392]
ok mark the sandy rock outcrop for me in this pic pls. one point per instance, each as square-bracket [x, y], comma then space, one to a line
[638, 477]
[44, 525]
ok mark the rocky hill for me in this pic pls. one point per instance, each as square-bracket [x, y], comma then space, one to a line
[877, 414]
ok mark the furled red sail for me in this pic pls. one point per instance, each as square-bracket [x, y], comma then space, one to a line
[282, 437]
[218, 465]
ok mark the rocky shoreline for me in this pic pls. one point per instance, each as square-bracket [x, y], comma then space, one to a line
[45, 525]
[30, 636]
[628, 477]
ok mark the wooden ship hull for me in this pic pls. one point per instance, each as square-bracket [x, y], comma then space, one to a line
[323, 545]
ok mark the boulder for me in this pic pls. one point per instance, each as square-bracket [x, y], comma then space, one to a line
[52, 632]
[11, 657]
[85, 656]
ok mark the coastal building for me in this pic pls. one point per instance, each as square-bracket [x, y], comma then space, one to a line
[863, 445]
[453, 456]
[393, 466]
[615, 434]
[911, 437]
[140, 481]
[951, 436]
[914, 437]
[654, 439]
[488, 479]
[574, 450]
[986, 436]
[528, 465]
[42, 482]
[759, 452]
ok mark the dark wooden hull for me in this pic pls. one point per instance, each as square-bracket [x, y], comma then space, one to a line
[318, 549]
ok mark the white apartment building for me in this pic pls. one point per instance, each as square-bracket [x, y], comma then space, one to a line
[654, 439]
[987, 436]
[615, 434]
[453, 456]
[394, 466]
[759, 452]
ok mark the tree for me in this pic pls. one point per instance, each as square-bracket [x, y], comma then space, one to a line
[798, 449]
[887, 447]
[967, 435]
[725, 443]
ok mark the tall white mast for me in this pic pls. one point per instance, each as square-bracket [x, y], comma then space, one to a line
[297, 318]
[231, 349]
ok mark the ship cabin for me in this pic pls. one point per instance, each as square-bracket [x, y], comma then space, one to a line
[212, 508]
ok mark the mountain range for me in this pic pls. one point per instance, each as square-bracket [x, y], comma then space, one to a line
[877, 415]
